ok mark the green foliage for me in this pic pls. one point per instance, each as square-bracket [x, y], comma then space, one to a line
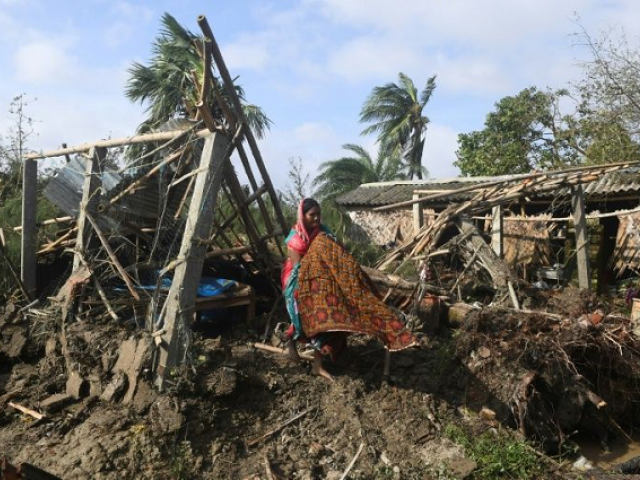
[524, 133]
[366, 254]
[395, 114]
[166, 84]
[498, 455]
[347, 173]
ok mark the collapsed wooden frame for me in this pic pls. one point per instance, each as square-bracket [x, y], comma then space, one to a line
[208, 232]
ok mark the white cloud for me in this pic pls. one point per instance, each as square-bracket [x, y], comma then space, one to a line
[247, 53]
[314, 143]
[44, 62]
[439, 151]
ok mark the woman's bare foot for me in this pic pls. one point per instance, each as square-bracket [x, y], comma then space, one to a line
[292, 351]
[317, 368]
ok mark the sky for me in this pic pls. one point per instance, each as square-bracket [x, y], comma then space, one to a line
[310, 64]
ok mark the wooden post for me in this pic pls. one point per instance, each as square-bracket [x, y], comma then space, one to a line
[607, 247]
[582, 239]
[90, 200]
[497, 237]
[418, 215]
[29, 227]
[179, 308]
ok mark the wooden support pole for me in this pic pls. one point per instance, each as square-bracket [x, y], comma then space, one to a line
[582, 238]
[497, 236]
[29, 261]
[181, 299]
[89, 202]
[418, 216]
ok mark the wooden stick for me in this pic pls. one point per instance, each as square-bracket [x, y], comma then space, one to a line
[275, 430]
[117, 142]
[28, 411]
[353, 462]
[51, 221]
[116, 263]
[170, 159]
[267, 467]
[269, 348]
[52, 246]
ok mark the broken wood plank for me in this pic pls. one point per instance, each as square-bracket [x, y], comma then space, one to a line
[28, 411]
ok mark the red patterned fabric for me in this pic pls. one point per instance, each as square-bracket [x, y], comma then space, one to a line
[335, 295]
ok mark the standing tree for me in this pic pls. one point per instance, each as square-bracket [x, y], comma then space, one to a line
[395, 113]
[526, 132]
[346, 173]
[169, 82]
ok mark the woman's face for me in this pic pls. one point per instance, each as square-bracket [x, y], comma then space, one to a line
[311, 219]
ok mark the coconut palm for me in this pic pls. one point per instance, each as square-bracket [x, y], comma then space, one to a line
[167, 83]
[346, 173]
[395, 113]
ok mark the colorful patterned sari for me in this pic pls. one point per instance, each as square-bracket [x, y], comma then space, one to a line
[335, 295]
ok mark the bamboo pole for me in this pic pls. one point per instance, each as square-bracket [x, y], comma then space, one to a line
[117, 142]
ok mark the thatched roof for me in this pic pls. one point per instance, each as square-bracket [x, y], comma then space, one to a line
[369, 195]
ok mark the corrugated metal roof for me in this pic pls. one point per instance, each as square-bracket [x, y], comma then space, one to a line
[387, 193]
[65, 191]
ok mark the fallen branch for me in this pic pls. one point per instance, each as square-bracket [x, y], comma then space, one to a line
[275, 430]
[28, 411]
[353, 462]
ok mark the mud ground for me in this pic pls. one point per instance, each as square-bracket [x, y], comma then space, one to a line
[222, 416]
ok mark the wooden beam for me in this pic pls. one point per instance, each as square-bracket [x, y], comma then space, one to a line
[179, 307]
[582, 238]
[29, 260]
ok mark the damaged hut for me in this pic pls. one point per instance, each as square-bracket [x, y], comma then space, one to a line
[170, 234]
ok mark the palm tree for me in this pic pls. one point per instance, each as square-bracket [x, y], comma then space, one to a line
[167, 82]
[346, 173]
[395, 113]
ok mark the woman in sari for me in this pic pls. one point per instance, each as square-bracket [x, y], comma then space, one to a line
[328, 296]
